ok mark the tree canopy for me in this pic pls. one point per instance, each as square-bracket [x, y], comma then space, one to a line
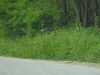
[27, 17]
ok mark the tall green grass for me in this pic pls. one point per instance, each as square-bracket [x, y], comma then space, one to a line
[75, 44]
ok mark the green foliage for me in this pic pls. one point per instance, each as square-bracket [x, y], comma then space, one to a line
[26, 17]
[2, 31]
[77, 45]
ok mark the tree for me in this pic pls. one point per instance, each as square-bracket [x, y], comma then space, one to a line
[86, 11]
[23, 17]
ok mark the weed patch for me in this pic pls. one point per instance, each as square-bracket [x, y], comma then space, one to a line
[78, 44]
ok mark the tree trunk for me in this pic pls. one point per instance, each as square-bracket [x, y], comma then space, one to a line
[64, 9]
[78, 11]
[86, 11]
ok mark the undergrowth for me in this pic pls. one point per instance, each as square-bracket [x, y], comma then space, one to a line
[75, 44]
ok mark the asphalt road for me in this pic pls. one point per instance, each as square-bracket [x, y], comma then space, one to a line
[17, 66]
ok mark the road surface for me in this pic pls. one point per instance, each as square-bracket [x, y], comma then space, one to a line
[18, 66]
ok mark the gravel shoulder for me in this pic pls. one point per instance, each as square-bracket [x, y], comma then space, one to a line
[94, 65]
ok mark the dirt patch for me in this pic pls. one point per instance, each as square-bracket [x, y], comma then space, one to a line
[95, 65]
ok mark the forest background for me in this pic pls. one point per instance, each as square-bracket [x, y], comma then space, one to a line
[31, 18]
[28, 17]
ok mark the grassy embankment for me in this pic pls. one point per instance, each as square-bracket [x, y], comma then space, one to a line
[81, 45]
